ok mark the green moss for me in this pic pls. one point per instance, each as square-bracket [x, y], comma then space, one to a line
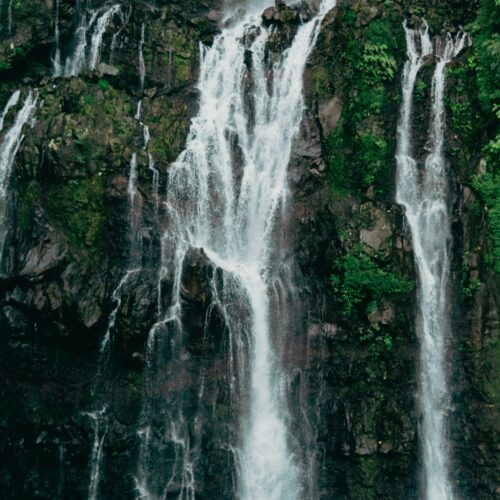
[136, 381]
[320, 82]
[182, 48]
[169, 135]
[364, 476]
[27, 194]
[77, 207]
[491, 382]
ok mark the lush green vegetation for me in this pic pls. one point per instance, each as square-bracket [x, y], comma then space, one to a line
[486, 65]
[359, 151]
[469, 285]
[488, 185]
[360, 284]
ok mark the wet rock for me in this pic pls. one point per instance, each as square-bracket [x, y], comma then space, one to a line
[49, 253]
[384, 315]
[283, 14]
[378, 234]
[329, 111]
[107, 70]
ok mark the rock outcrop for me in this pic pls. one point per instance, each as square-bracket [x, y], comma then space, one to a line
[351, 358]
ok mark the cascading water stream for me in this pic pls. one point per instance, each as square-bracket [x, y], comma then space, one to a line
[424, 195]
[99, 30]
[100, 429]
[9, 18]
[8, 150]
[99, 417]
[13, 100]
[88, 42]
[56, 63]
[142, 64]
[230, 211]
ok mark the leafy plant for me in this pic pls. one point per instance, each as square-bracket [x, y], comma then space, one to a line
[469, 285]
[488, 187]
[358, 151]
[103, 85]
[360, 283]
[376, 63]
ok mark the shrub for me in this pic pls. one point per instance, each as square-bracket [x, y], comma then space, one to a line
[488, 187]
[103, 85]
[360, 283]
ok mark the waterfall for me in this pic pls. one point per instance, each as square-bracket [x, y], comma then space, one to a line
[142, 64]
[132, 180]
[9, 18]
[99, 421]
[60, 484]
[93, 24]
[124, 17]
[8, 149]
[13, 100]
[424, 195]
[156, 185]
[117, 298]
[57, 35]
[99, 417]
[101, 26]
[229, 208]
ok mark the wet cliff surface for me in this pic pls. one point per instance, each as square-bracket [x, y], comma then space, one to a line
[351, 351]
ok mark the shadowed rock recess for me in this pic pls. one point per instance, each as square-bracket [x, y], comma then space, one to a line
[128, 353]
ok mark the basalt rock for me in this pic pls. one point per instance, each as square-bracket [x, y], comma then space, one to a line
[350, 382]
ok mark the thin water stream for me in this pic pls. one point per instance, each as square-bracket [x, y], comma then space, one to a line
[424, 193]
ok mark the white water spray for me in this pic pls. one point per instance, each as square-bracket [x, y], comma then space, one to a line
[233, 220]
[88, 42]
[8, 150]
[9, 18]
[424, 195]
[58, 70]
[142, 64]
[100, 428]
[13, 100]
[134, 267]
[100, 28]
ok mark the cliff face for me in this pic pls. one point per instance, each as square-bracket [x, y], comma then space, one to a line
[351, 357]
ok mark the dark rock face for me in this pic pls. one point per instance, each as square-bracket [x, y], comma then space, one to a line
[351, 381]
[283, 14]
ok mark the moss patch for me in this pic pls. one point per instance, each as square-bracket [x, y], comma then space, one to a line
[77, 208]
